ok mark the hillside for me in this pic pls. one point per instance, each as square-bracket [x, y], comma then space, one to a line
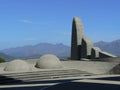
[60, 50]
[6, 57]
[111, 47]
[36, 51]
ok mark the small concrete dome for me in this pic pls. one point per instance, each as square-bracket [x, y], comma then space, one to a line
[17, 65]
[48, 62]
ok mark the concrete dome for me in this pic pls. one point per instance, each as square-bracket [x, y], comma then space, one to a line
[17, 65]
[48, 62]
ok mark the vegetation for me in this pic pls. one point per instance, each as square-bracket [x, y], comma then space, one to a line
[2, 60]
[69, 58]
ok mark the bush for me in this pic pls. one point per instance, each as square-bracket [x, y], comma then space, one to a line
[69, 58]
[2, 60]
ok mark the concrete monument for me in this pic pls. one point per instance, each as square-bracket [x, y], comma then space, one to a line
[77, 35]
[48, 61]
[86, 48]
[103, 54]
[49, 73]
[82, 47]
[95, 52]
[17, 65]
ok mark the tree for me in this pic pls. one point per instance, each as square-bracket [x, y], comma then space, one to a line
[2, 60]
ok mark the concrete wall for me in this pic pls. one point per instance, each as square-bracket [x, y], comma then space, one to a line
[96, 67]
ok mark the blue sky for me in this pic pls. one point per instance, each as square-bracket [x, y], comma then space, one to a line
[28, 22]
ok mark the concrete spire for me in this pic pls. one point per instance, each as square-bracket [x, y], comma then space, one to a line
[77, 35]
[78, 28]
[82, 47]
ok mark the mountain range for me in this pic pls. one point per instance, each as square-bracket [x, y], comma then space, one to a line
[6, 57]
[35, 51]
[111, 47]
[60, 50]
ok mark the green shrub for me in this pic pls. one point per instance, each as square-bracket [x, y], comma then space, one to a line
[69, 58]
[2, 60]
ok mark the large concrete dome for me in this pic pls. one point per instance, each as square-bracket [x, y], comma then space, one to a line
[48, 62]
[17, 65]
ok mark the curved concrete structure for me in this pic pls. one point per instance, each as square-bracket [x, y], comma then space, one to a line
[95, 52]
[105, 55]
[75, 75]
[77, 35]
[82, 47]
[17, 65]
[86, 48]
[48, 62]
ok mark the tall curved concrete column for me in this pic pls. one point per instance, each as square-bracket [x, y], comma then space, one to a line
[77, 35]
[82, 47]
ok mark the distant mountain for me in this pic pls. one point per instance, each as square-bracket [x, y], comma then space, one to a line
[29, 52]
[60, 50]
[111, 47]
[6, 57]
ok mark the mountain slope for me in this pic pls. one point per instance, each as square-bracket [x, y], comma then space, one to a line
[111, 47]
[6, 57]
[36, 51]
[60, 50]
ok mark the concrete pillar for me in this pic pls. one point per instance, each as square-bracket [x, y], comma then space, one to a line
[81, 46]
[86, 48]
[95, 53]
[76, 41]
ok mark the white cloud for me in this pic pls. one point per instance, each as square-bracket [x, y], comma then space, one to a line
[25, 21]
[67, 33]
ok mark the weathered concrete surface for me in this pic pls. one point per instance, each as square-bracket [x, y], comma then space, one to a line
[96, 67]
[85, 72]
[76, 40]
[48, 61]
[103, 54]
[86, 48]
[95, 53]
[17, 65]
[82, 47]
[77, 28]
